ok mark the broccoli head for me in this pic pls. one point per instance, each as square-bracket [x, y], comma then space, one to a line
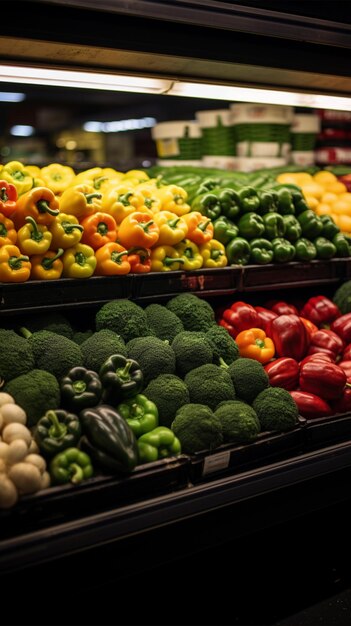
[125, 318]
[100, 346]
[195, 313]
[169, 393]
[249, 378]
[154, 356]
[240, 423]
[209, 384]
[54, 353]
[164, 324]
[191, 350]
[223, 345]
[276, 409]
[81, 335]
[36, 392]
[54, 322]
[197, 428]
[17, 355]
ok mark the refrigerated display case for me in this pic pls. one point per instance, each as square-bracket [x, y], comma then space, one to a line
[274, 515]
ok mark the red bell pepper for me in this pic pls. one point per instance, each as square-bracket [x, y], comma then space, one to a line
[325, 340]
[289, 336]
[342, 327]
[8, 197]
[283, 372]
[282, 308]
[311, 406]
[310, 327]
[265, 315]
[343, 404]
[318, 356]
[240, 316]
[346, 366]
[320, 310]
[346, 355]
[326, 380]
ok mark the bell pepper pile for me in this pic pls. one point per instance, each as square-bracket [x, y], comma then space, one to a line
[305, 350]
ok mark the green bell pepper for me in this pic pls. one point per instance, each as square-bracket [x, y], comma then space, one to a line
[284, 200]
[311, 224]
[140, 413]
[121, 378]
[273, 225]
[208, 204]
[248, 199]
[159, 443]
[208, 184]
[80, 388]
[56, 431]
[283, 250]
[293, 228]
[224, 230]
[329, 227]
[70, 466]
[108, 439]
[268, 203]
[300, 203]
[325, 248]
[305, 250]
[261, 251]
[238, 251]
[230, 203]
[342, 246]
[251, 225]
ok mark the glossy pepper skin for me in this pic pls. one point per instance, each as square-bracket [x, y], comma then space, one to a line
[139, 260]
[39, 203]
[305, 250]
[325, 340]
[57, 431]
[8, 233]
[123, 200]
[240, 316]
[229, 201]
[284, 200]
[342, 404]
[267, 203]
[8, 197]
[293, 228]
[261, 251]
[310, 327]
[111, 260]
[17, 175]
[238, 251]
[158, 443]
[174, 198]
[248, 200]
[108, 439]
[213, 254]
[254, 344]
[189, 252]
[289, 336]
[14, 267]
[172, 228]
[121, 378]
[283, 372]
[346, 366]
[140, 413]
[138, 229]
[224, 230]
[326, 380]
[57, 177]
[265, 316]
[282, 308]
[98, 229]
[65, 231]
[70, 466]
[80, 389]
[274, 225]
[320, 310]
[80, 201]
[317, 356]
[341, 246]
[342, 327]
[165, 259]
[310, 405]
[33, 238]
[325, 248]
[208, 204]
[251, 225]
[283, 250]
[79, 261]
[47, 266]
[330, 229]
[200, 229]
[311, 224]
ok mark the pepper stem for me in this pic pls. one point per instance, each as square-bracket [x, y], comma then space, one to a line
[216, 254]
[124, 373]
[37, 235]
[146, 226]
[25, 332]
[68, 227]
[173, 223]
[76, 473]
[203, 225]
[80, 258]
[117, 257]
[124, 198]
[102, 228]
[169, 260]
[44, 207]
[47, 262]
[3, 230]
[15, 262]
[90, 197]
[56, 430]
[79, 386]
[3, 194]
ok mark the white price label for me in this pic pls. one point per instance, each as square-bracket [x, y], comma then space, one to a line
[216, 462]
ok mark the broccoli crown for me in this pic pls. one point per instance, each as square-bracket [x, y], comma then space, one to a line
[276, 409]
[54, 322]
[240, 423]
[153, 355]
[55, 353]
[249, 378]
[36, 392]
[209, 384]
[17, 355]
[197, 428]
[195, 313]
[125, 318]
[191, 350]
[169, 393]
[81, 335]
[164, 323]
[100, 346]
[223, 345]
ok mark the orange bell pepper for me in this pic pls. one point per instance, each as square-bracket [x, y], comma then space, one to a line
[139, 260]
[99, 228]
[200, 228]
[80, 201]
[47, 266]
[14, 267]
[8, 197]
[8, 234]
[137, 229]
[254, 344]
[40, 203]
[111, 260]
[172, 228]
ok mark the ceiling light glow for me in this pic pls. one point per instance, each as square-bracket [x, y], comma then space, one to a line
[22, 130]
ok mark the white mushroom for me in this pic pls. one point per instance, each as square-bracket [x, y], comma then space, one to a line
[45, 480]
[12, 413]
[5, 398]
[26, 477]
[16, 431]
[37, 461]
[17, 451]
[8, 492]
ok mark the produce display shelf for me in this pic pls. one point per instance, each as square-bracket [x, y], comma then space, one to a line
[70, 292]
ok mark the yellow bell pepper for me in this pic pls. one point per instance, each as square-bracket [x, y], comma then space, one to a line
[79, 261]
[165, 259]
[98, 177]
[33, 238]
[57, 177]
[136, 176]
[172, 228]
[14, 172]
[14, 267]
[121, 201]
[47, 266]
[80, 201]
[151, 198]
[189, 251]
[33, 170]
[174, 198]
[66, 231]
[213, 254]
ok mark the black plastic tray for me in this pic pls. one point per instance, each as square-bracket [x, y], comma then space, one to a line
[328, 430]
